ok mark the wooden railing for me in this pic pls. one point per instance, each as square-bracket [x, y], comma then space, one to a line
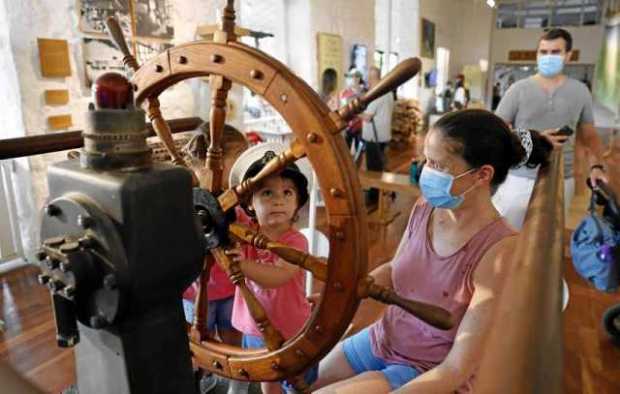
[524, 352]
[46, 143]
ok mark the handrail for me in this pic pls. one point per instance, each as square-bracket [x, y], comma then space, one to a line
[11, 148]
[523, 354]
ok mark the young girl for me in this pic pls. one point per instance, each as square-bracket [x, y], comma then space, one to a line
[279, 286]
[450, 255]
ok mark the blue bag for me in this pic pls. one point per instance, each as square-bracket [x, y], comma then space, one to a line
[595, 252]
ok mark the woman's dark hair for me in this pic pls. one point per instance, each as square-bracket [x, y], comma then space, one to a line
[482, 137]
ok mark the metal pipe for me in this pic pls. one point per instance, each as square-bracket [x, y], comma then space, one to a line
[527, 337]
[55, 142]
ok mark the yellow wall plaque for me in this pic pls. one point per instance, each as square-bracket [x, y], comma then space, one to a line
[57, 97]
[59, 122]
[54, 57]
[330, 56]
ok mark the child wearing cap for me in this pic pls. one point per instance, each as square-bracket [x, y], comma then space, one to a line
[279, 286]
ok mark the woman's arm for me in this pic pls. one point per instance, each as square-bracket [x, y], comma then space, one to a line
[469, 343]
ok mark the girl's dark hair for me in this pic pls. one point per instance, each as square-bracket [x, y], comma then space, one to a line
[481, 137]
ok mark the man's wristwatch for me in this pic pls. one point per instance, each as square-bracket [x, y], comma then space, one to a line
[599, 166]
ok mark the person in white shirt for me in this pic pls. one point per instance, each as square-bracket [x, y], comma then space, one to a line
[377, 130]
[461, 96]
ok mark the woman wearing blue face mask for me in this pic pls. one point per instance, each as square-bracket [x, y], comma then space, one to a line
[451, 255]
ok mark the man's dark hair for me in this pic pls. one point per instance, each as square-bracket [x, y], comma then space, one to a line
[553, 34]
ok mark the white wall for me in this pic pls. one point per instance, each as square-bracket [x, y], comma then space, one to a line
[301, 54]
[587, 39]
[394, 33]
[354, 21]
[461, 26]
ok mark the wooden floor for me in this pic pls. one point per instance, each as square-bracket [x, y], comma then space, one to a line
[591, 362]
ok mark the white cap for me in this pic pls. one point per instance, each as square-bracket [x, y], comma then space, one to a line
[256, 152]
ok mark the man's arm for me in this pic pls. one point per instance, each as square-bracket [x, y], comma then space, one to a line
[509, 106]
[370, 111]
[587, 135]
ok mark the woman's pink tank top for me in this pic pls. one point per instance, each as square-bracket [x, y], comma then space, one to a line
[421, 274]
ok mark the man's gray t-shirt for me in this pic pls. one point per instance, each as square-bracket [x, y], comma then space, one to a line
[526, 105]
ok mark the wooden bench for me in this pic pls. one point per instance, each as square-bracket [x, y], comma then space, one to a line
[386, 182]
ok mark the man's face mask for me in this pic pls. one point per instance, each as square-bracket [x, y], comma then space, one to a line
[550, 65]
[436, 186]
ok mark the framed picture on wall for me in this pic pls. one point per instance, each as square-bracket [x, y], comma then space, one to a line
[100, 56]
[427, 46]
[93, 14]
[153, 18]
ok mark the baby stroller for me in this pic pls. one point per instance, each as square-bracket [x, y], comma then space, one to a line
[595, 249]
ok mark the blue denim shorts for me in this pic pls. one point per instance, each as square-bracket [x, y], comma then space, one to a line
[359, 354]
[254, 342]
[220, 313]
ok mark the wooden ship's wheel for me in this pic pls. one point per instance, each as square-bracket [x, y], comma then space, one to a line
[317, 137]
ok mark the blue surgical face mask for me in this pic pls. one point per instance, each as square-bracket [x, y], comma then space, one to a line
[550, 65]
[436, 186]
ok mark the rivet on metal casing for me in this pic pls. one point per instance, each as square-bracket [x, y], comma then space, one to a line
[284, 97]
[84, 221]
[216, 364]
[182, 60]
[159, 68]
[215, 58]
[52, 210]
[69, 291]
[109, 282]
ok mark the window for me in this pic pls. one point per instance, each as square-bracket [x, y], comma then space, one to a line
[265, 16]
[547, 13]
[9, 248]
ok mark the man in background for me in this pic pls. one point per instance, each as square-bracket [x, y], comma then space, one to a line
[376, 130]
[549, 101]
